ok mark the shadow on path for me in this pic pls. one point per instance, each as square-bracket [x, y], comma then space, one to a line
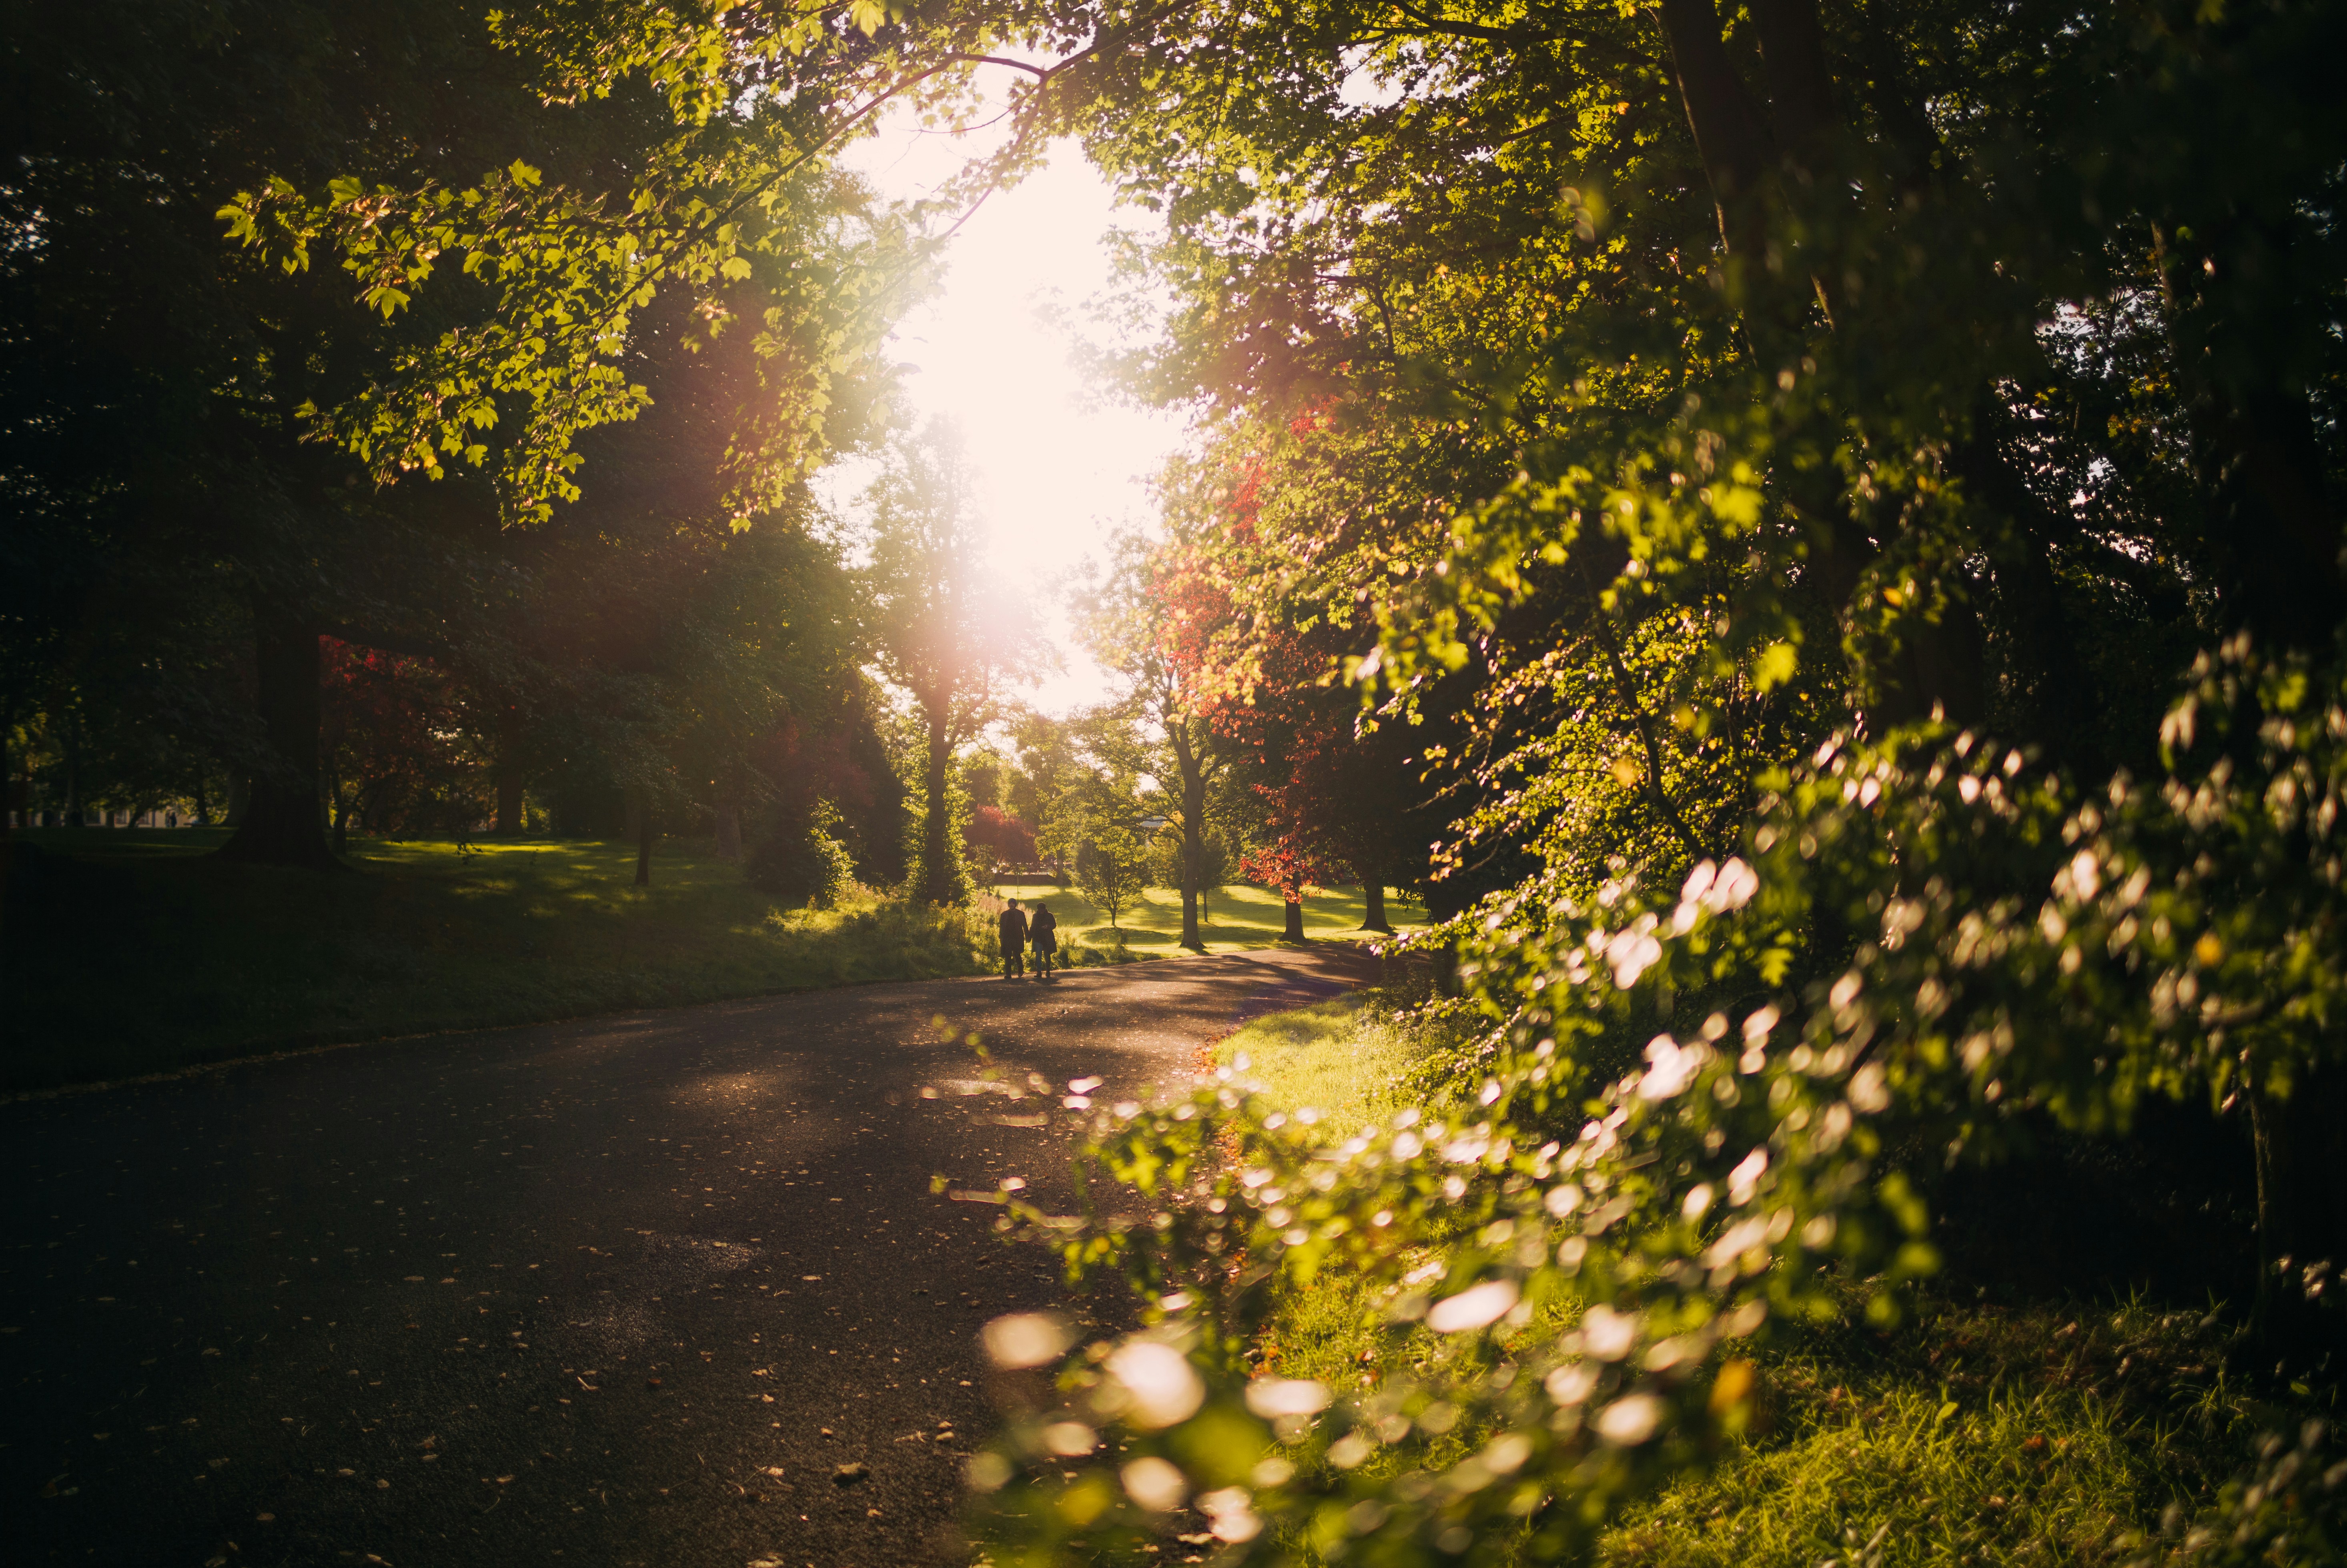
[629, 1290]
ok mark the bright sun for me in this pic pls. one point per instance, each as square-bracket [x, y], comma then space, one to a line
[1062, 466]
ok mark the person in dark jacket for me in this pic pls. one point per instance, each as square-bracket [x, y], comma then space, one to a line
[1013, 929]
[1043, 932]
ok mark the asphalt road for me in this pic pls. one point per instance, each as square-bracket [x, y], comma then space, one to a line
[631, 1290]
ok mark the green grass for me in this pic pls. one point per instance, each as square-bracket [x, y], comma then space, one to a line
[1979, 1432]
[2046, 1432]
[124, 952]
[1346, 1058]
[1237, 918]
[130, 952]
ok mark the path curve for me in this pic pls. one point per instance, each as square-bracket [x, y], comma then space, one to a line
[630, 1290]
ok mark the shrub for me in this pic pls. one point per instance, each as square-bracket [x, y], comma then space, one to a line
[802, 862]
[1602, 1237]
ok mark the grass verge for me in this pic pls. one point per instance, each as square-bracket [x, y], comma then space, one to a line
[123, 953]
[1981, 1431]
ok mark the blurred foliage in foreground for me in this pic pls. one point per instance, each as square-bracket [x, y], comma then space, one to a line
[1602, 1236]
[1839, 501]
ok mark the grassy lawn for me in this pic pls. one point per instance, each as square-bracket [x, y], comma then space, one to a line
[130, 952]
[124, 952]
[1237, 918]
[1988, 1429]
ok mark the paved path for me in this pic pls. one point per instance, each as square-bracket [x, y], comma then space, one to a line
[624, 1291]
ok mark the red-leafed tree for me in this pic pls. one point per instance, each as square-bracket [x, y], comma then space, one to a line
[1287, 864]
[1152, 623]
[1336, 793]
[998, 833]
[386, 729]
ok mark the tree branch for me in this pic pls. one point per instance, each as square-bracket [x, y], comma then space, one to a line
[1640, 718]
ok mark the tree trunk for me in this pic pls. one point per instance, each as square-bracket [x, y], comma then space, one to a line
[939, 882]
[1292, 914]
[1729, 135]
[72, 747]
[1373, 894]
[2295, 1144]
[342, 821]
[2255, 448]
[1800, 83]
[375, 811]
[284, 825]
[240, 799]
[644, 843]
[509, 778]
[729, 817]
[1193, 807]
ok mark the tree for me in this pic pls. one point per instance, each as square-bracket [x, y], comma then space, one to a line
[1002, 837]
[939, 633]
[1813, 468]
[1111, 868]
[835, 759]
[1044, 790]
[1212, 860]
[1139, 624]
[802, 863]
[248, 427]
[385, 727]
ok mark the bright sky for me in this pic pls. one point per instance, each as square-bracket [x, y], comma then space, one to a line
[1062, 466]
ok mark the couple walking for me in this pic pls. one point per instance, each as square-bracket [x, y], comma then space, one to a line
[1019, 932]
